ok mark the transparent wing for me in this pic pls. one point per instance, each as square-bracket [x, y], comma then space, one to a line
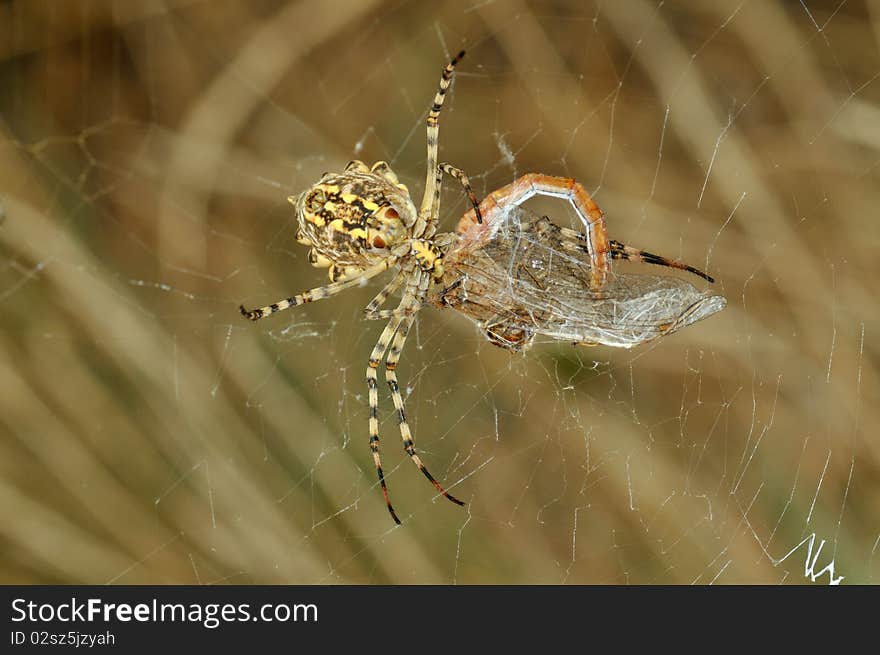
[525, 277]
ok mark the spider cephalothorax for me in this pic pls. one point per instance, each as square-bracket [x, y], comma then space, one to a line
[354, 219]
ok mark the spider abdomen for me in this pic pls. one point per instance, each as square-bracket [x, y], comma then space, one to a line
[353, 219]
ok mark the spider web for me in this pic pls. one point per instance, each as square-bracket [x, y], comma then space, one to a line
[150, 435]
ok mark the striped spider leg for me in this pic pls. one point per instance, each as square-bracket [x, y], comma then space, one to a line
[361, 222]
[389, 347]
[318, 293]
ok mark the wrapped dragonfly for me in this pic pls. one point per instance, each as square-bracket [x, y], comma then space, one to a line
[519, 276]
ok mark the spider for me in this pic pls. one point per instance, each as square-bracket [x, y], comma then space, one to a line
[362, 222]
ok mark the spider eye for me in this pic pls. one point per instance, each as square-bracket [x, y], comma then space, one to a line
[315, 201]
[391, 213]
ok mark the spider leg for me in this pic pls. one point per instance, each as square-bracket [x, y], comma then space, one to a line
[391, 378]
[426, 225]
[382, 314]
[318, 293]
[459, 175]
[574, 240]
[428, 208]
[376, 357]
[622, 251]
[371, 311]
[537, 184]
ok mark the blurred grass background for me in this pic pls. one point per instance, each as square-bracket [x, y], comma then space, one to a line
[150, 435]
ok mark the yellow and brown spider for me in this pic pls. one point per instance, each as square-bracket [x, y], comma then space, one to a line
[362, 222]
